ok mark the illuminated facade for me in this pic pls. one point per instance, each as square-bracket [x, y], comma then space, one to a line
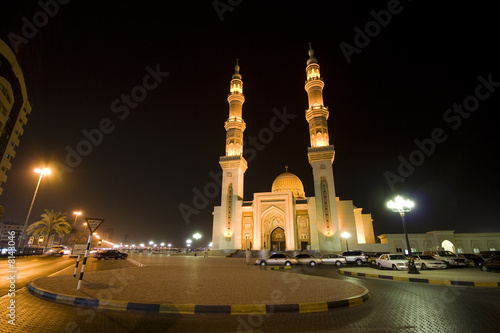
[285, 219]
[14, 108]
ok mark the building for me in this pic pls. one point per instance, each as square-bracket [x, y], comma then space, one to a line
[442, 240]
[5, 228]
[14, 108]
[285, 218]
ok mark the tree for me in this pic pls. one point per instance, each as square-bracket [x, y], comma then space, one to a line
[53, 223]
[77, 238]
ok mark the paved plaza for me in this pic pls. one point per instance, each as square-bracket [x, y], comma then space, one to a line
[184, 284]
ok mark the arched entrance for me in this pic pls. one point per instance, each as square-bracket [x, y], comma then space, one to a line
[278, 242]
[448, 246]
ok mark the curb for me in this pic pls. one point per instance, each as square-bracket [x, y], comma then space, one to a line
[167, 308]
[278, 267]
[428, 281]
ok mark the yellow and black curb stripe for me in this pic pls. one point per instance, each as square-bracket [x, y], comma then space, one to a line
[428, 281]
[238, 309]
[278, 267]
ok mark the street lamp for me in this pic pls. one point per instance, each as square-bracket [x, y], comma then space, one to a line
[346, 235]
[76, 217]
[401, 206]
[188, 242]
[169, 245]
[196, 236]
[42, 172]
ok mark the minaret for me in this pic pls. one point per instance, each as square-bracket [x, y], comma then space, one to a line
[233, 164]
[321, 155]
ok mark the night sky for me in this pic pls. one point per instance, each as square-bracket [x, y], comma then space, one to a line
[388, 92]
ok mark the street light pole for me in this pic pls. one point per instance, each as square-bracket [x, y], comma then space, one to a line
[41, 172]
[346, 235]
[401, 206]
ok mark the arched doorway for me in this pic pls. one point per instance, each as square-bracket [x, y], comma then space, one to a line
[448, 246]
[278, 240]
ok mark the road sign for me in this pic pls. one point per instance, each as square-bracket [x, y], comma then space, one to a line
[93, 224]
[78, 249]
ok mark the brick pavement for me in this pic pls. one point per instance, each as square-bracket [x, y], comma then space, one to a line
[470, 277]
[199, 285]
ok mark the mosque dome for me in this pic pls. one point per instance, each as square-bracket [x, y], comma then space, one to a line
[287, 181]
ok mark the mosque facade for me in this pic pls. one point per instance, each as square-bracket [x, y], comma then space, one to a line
[285, 219]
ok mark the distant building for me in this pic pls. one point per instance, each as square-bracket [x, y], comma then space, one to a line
[14, 108]
[285, 218]
[5, 227]
[442, 240]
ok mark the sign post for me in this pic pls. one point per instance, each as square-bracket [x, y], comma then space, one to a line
[93, 224]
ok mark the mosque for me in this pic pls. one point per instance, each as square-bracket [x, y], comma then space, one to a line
[285, 219]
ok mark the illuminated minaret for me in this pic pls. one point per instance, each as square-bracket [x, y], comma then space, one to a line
[321, 155]
[233, 163]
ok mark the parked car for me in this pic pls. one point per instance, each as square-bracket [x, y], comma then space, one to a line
[333, 259]
[355, 257]
[281, 259]
[474, 259]
[372, 257]
[429, 262]
[449, 258]
[397, 262]
[110, 254]
[489, 254]
[307, 259]
[490, 264]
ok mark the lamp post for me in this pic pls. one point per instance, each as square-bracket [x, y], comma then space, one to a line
[401, 206]
[42, 172]
[346, 235]
[169, 245]
[188, 242]
[196, 236]
[76, 217]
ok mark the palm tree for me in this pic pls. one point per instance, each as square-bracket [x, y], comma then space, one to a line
[77, 238]
[53, 223]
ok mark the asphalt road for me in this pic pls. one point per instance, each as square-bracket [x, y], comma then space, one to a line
[30, 268]
[393, 307]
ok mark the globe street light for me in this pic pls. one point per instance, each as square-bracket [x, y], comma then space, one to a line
[196, 236]
[401, 206]
[42, 172]
[169, 245]
[346, 235]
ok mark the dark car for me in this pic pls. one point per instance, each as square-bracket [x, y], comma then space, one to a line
[110, 254]
[474, 258]
[490, 264]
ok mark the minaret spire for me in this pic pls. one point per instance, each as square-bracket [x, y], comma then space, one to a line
[235, 126]
[233, 166]
[321, 155]
[317, 114]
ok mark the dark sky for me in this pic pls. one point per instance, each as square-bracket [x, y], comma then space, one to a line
[396, 88]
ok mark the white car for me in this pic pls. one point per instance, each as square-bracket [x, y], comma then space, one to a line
[449, 258]
[307, 259]
[281, 259]
[397, 262]
[333, 259]
[429, 262]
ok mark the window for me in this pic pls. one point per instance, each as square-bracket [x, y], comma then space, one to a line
[476, 250]
[398, 249]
